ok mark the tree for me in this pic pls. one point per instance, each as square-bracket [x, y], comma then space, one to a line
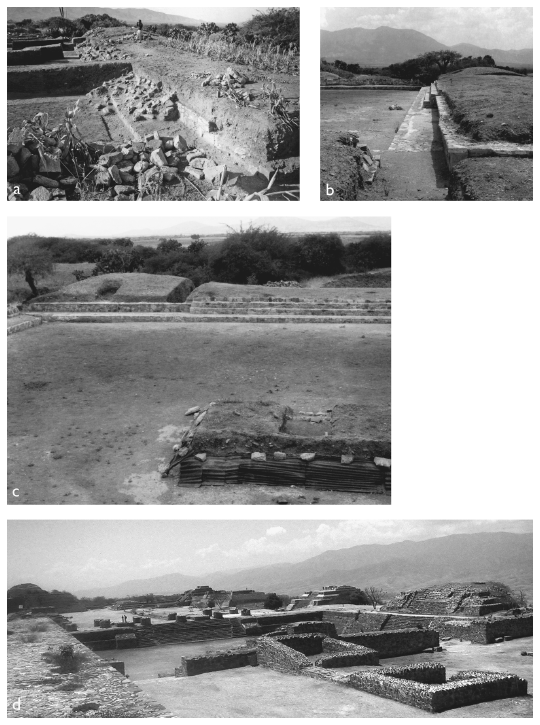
[322, 254]
[358, 597]
[119, 261]
[272, 601]
[30, 261]
[168, 246]
[220, 598]
[440, 58]
[488, 60]
[230, 31]
[375, 596]
[208, 28]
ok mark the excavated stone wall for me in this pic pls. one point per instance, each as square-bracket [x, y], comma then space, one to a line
[190, 666]
[425, 686]
[61, 79]
[390, 643]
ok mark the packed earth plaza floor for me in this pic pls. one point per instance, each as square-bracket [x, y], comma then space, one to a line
[101, 405]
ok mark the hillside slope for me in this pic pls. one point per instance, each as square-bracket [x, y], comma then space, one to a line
[395, 567]
[127, 15]
[383, 46]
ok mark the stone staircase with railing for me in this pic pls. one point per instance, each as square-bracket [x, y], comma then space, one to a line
[234, 309]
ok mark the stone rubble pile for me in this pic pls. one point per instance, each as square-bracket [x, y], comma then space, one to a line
[368, 164]
[144, 99]
[283, 283]
[95, 48]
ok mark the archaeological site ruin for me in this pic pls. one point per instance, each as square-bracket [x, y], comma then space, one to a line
[185, 112]
[208, 651]
[214, 407]
[404, 117]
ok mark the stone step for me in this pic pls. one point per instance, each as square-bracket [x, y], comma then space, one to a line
[307, 304]
[344, 312]
[18, 325]
[180, 318]
[109, 307]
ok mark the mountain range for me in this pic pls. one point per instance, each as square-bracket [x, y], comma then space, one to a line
[498, 556]
[289, 225]
[127, 15]
[384, 45]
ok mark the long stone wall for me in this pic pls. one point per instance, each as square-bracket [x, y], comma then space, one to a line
[353, 622]
[484, 631]
[64, 78]
[391, 643]
[277, 656]
[190, 666]
[425, 686]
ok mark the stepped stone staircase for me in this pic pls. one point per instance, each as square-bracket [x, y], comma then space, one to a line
[234, 309]
[163, 634]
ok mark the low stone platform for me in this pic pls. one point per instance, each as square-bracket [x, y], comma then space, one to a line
[458, 147]
[18, 323]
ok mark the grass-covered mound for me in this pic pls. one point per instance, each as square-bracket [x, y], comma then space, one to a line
[492, 179]
[490, 104]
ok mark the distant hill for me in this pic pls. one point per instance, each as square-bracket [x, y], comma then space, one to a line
[291, 225]
[395, 567]
[383, 46]
[127, 15]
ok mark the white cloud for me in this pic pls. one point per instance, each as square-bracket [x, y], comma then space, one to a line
[344, 534]
[275, 531]
[212, 549]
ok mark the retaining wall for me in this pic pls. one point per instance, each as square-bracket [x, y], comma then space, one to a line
[458, 147]
[277, 656]
[77, 78]
[190, 666]
[483, 631]
[425, 686]
[391, 643]
[355, 622]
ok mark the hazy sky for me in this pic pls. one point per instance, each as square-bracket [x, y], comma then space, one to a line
[503, 28]
[216, 15]
[75, 555]
[97, 226]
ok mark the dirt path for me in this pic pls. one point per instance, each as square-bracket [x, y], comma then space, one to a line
[94, 408]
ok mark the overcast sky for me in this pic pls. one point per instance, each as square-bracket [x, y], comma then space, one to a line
[502, 28]
[132, 226]
[216, 15]
[75, 555]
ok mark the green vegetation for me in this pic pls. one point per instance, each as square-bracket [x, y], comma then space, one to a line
[490, 104]
[65, 659]
[424, 69]
[272, 601]
[56, 27]
[251, 255]
[269, 41]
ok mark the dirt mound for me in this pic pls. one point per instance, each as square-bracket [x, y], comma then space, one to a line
[490, 106]
[492, 179]
[129, 287]
[222, 291]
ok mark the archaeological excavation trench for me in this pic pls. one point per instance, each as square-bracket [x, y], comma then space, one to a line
[265, 429]
[146, 129]
[397, 144]
[181, 662]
